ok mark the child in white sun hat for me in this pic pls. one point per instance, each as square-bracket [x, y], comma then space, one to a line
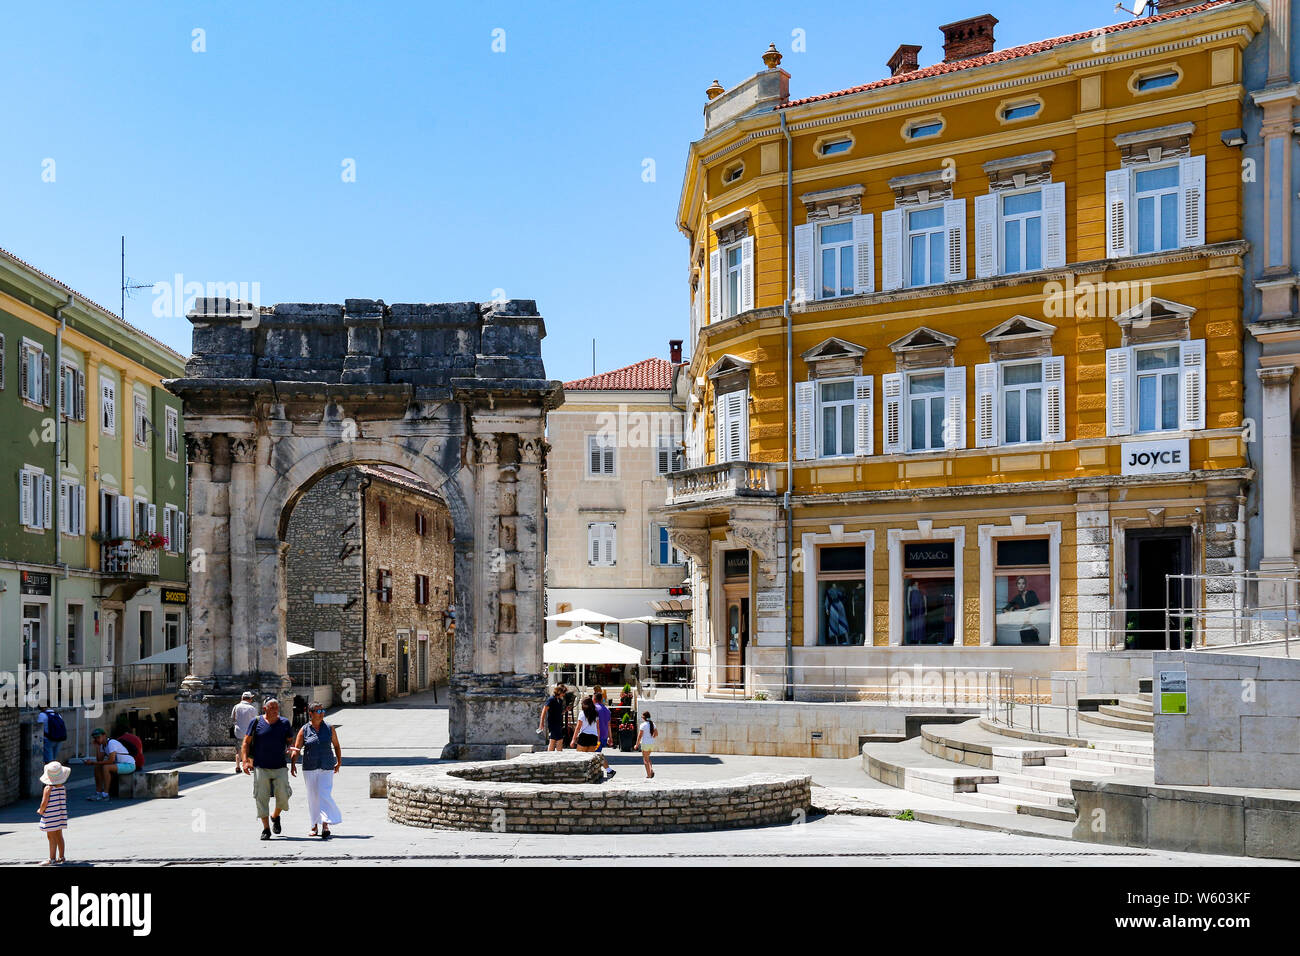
[54, 808]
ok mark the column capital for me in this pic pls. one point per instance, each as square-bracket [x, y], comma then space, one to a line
[198, 448]
[243, 449]
[1276, 375]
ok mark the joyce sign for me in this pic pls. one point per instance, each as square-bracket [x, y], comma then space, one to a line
[1155, 457]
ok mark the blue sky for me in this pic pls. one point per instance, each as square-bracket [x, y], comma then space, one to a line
[475, 170]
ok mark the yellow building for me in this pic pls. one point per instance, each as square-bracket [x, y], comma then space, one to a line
[967, 368]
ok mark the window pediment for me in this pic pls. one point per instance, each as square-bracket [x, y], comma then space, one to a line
[1017, 172]
[729, 374]
[924, 348]
[1156, 320]
[921, 188]
[1019, 337]
[834, 357]
[732, 227]
[833, 203]
[1155, 145]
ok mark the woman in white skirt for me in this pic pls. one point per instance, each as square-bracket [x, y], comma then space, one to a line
[321, 758]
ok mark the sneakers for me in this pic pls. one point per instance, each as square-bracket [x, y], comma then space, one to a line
[610, 772]
[96, 797]
[275, 824]
[266, 834]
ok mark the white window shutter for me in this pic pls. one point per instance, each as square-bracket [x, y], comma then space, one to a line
[45, 379]
[124, 529]
[180, 532]
[167, 528]
[954, 426]
[81, 395]
[2, 363]
[864, 254]
[1192, 406]
[47, 500]
[1119, 363]
[608, 465]
[746, 273]
[738, 425]
[864, 440]
[891, 249]
[25, 498]
[1191, 195]
[720, 429]
[24, 390]
[593, 544]
[1054, 398]
[153, 519]
[803, 257]
[1117, 228]
[891, 388]
[986, 236]
[986, 405]
[1053, 225]
[715, 286]
[954, 225]
[81, 509]
[805, 399]
[63, 507]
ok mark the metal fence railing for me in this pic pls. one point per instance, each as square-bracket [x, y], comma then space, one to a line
[1018, 703]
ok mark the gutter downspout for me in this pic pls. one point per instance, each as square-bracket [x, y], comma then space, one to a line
[789, 411]
[58, 511]
[362, 485]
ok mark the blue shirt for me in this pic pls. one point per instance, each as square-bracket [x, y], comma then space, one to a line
[317, 747]
[269, 742]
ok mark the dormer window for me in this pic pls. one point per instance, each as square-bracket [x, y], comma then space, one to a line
[1020, 111]
[733, 173]
[834, 146]
[1156, 81]
[925, 128]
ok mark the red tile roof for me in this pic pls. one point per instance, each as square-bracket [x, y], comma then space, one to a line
[1011, 53]
[648, 375]
[399, 477]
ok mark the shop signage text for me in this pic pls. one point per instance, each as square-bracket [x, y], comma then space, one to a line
[175, 596]
[35, 582]
[1154, 457]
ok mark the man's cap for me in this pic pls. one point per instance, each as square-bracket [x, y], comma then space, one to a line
[247, 695]
[97, 731]
[270, 700]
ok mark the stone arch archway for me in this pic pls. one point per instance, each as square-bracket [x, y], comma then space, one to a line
[455, 394]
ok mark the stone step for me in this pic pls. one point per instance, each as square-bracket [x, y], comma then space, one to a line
[1026, 794]
[1070, 813]
[1014, 806]
[1137, 702]
[1025, 781]
[1064, 774]
[1135, 746]
[1120, 758]
[1085, 768]
[1118, 723]
[1115, 710]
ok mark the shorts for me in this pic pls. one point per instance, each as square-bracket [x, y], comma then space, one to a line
[647, 750]
[125, 765]
[555, 734]
[588, 740]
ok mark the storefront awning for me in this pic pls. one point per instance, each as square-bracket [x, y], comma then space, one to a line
[672, 606]
[174, 655]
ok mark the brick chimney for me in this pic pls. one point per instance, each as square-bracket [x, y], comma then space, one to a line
[967, 38]
[904, 59]
[675, 351]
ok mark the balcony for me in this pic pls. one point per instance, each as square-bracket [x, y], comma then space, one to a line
[127, 559]
[724, 482]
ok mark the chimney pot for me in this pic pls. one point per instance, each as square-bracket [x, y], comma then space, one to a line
[714, 91]
[904, 59]
[675, 351]
[771, 57]
[968, 38]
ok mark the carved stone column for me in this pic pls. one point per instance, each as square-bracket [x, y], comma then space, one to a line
[243, 598]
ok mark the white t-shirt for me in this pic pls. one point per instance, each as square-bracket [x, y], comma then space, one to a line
[243, 714]
[588, 727]
[647, 738]
[117, 747]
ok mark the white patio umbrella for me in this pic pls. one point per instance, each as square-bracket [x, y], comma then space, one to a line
[581, 615]
[584, 645]
[293, 650]
[173, 655]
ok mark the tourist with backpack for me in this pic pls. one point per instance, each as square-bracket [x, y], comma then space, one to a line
[645, 742]
[54, 732]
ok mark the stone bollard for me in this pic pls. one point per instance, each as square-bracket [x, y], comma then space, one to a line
[379, 784]
[161, 784]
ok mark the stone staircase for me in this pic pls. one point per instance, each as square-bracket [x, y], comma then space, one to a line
[982, 764]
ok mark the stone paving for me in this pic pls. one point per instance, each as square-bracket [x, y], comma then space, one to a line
[213, 822]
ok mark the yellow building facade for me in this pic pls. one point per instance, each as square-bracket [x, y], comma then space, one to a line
[966, 381]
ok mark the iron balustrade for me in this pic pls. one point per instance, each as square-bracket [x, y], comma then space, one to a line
[730, 479]
[128, 559]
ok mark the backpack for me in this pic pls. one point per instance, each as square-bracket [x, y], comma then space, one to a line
[55, 729]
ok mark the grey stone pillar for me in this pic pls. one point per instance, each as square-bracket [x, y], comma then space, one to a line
[1276, 501]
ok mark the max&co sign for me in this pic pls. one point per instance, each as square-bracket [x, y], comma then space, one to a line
[1155, 457]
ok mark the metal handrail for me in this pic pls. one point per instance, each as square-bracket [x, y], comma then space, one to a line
[1003, 700]
[889, 684]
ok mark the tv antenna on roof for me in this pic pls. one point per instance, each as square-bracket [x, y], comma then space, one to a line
[1140, 8]
[129, 287]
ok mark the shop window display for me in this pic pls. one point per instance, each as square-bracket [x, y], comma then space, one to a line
[1022, 592]
[929, 593]
[841, 596]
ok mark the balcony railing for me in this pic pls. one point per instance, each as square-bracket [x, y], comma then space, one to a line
[128, 559]
[731, 479]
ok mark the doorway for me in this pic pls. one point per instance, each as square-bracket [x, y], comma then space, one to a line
[737, 633]
[422, 661]
[403, 661]
[34, 636]
[1151, 555]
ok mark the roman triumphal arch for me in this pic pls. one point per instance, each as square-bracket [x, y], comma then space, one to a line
[276, 397]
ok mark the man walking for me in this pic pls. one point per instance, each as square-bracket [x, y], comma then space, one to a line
[265, 742]
[53, 732]
[243, 714]
[603, 719]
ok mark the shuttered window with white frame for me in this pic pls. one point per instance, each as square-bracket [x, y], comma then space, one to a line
[173, 433]
[891, 249]
[601, 459]
[35, 498]
[891, 389]
[601, 544]
[1155, 207]
[179, 529]
[1155, 387]
[731, 426]
[107, 405]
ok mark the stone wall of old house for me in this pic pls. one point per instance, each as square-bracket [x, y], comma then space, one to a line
[394, 545]
[323, 578]
[10, 755]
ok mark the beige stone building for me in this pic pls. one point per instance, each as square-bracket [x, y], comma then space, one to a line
[613, 442]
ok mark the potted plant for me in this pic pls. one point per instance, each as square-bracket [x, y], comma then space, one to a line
[1130, 638]
[627, 733]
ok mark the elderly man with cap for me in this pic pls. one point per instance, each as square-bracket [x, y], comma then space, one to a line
[265, 742]
[243, 714]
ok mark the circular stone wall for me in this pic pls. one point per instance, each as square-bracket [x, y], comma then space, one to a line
[562, 792]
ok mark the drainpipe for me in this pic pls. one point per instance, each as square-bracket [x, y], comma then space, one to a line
[362, 485]
[58, 511]
[789, 411]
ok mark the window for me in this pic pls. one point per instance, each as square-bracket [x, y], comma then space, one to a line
[1022, 591]
[34, 500]
[841, 595]
[1021, 111]
[72, 393]
[383, 513]
[383, 586]
[141, 417]
[731, 263]
[178, 529]
[600, 456]
[1019, 402]
[731, 277]
[925, 411]
[2, 362]
[1156, 81]
[1022, 231]
[144, 517]
[146, 633]
[835, 259]
[114, 515]
[1022, 402]
[421, 524]
[171, 541]
[1155, 208]
[836, 403]
[72, 507]
[107, 406]
[733, 173]
[1166, 382]
[924, 129]
[33, 373]
[75, 649]
[662, 553]
[731, 426]
[600, 544]
[925, 244]
[929, 593]
[173, 440]
[421, 589]
[1156, 194]
[668, 454]
[831, 147]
